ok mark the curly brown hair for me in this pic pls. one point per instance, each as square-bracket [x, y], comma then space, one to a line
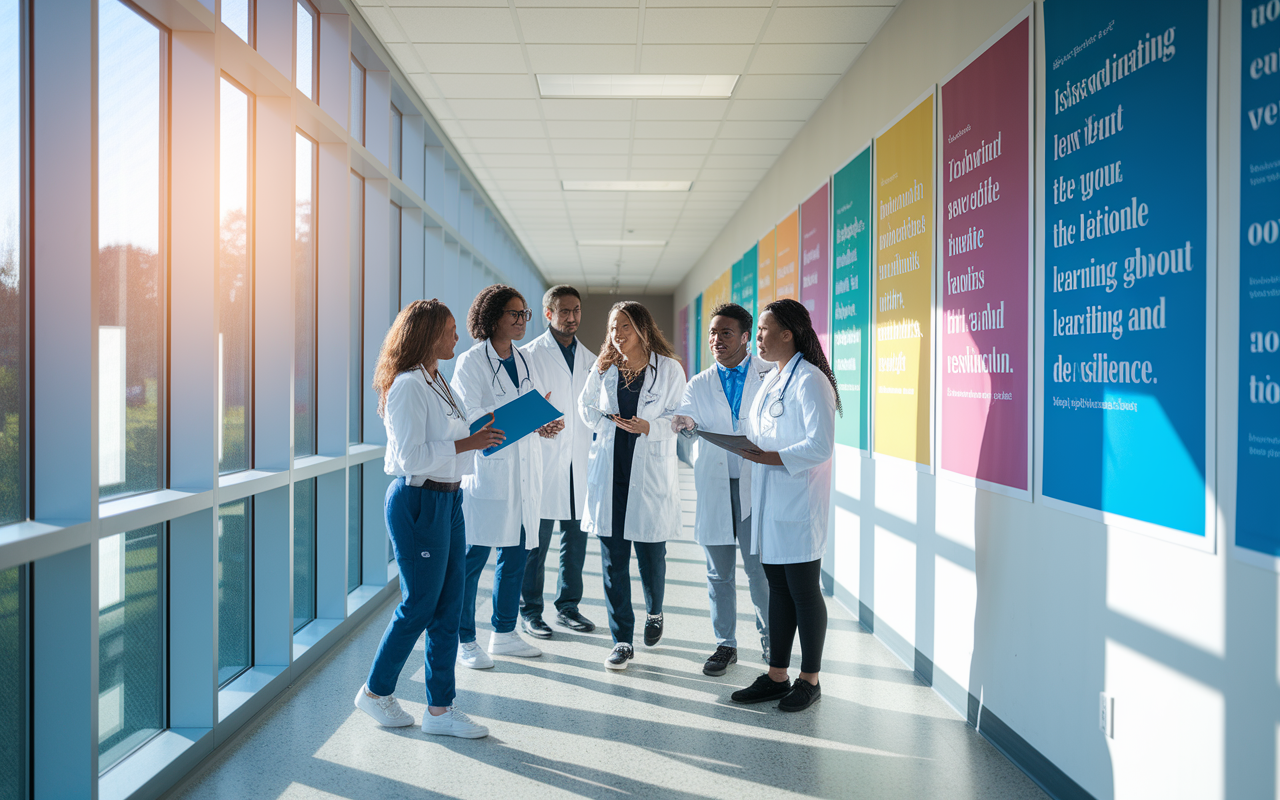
[408, 344]
[487, 309]
[648, 331]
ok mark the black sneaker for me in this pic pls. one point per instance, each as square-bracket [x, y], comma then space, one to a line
[571, 619]
[534, 626]
[765, 688]
[622, 653]
[803, 694]
[652, 629]
[720, 661]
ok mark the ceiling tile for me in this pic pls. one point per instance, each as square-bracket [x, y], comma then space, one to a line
[676, 130]
[772, 147]
[516, 129]
[681, 109]
[818, 25]
[500, 160]
[667, 162]
[579, 25]
[593, 174]
[495, 109]
[591, 146]
[784, 87]
[741, 129]
[580, 161]
[802, 59]
[536, 144]
[735, 162]
[671, 146]
[703, 25]
[684, 59]
[384, 24]
[422, 82]
[529, 186]
[583, 109]
[772, 109]
[406, 57]
[589, 129]
[486, 86]
[440, 109]
[582, 58]
[662, 174]
[753, 175]
[458, 24]
[446, 57]
[504, 175]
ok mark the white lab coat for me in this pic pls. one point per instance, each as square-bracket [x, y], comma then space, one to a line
[789, 504]
[571, 446]
[653, 504]
[503, 491]
[705, 402]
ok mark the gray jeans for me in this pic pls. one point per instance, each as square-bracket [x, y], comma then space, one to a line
[721, 566]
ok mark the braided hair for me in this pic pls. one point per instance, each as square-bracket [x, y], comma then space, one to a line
[793, 316]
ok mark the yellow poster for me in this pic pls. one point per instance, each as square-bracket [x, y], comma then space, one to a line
[715, 295]
[787, 284]
[904, 285]
[764, 272]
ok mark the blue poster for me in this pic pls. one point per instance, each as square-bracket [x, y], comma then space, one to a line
[1258, 459]
[1126, 257]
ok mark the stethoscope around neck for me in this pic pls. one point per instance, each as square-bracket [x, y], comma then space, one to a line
[779, 407]
[525, 383]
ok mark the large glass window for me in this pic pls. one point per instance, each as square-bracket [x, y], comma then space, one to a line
[355, 511]
[12, 274]
[235, 300]
[308, 38]
[304, 552]
[131, 627]
[304, 299]
[131, 266]
[238, 16]
[357, 101]
[397, 134]
[13, 683]
[235, 588]
[356, 388]
[397, 248]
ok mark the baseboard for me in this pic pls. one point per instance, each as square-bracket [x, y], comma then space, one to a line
[1056, 783]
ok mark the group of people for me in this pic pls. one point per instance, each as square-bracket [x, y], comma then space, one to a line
[607, 467]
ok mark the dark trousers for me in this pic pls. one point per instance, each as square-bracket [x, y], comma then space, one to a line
[573, 553]
[506, 587]
[429, 540]
[615, 558]
[796, 602]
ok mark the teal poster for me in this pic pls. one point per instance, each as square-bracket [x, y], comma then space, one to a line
[851, 297]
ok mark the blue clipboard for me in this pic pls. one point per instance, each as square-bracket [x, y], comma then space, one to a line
[518, 419]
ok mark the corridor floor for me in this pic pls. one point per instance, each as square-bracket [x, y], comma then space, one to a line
[563, 726]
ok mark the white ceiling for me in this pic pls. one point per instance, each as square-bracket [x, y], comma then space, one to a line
[474, 65]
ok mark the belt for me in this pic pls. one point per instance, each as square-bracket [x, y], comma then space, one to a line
[437, 486]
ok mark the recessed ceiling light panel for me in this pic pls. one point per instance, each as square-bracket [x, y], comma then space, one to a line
[704, 86]
[626, 186]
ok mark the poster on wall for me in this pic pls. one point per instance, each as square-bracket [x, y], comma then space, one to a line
[699, 340]
[786, 258]
[902, 413]
[984, 330]
[1257, 522]
[764, 271]
[682, 325]
[851, 298]
[749, 285]
[735, 292]
[815, 267]
[1129, 271]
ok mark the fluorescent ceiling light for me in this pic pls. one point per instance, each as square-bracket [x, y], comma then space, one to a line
[636, 85]
[626, 186]
[621, 242]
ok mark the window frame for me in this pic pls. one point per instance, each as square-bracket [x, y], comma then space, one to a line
[314, 94]
[315, 297]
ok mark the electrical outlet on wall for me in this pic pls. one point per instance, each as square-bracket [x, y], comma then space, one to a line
[1107, 714]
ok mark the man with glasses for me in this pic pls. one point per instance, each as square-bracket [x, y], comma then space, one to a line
[562, 364]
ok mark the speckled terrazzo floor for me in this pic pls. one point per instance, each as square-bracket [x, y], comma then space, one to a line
[562, 726]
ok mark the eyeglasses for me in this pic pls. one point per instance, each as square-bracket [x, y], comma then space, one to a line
[517, 316]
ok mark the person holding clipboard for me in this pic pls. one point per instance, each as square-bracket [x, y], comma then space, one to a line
[503, 492]
[632, 499]
[428, 449]
[717, 400]
[792, 424]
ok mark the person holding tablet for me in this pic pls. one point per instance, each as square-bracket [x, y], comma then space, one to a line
[631, 395]
[717, 400]
[428, 448]
[503, 492]
[792, 424]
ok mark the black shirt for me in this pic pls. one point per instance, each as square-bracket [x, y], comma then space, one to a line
[567, 352]
[624, 443]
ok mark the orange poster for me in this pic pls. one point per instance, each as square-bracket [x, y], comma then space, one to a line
[787, 284]
[764, 271]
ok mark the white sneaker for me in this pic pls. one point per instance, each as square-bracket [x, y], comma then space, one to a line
[386, 710]
[472, 657]
[510, 644]
[453, 723]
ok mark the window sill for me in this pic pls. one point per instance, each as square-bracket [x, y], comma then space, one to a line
[140, 510]
[311, 466]
[21, 542]
[360, 453]
[246, 692]
[157, 764]
[360, 596]
[238, 485]
[310, 640]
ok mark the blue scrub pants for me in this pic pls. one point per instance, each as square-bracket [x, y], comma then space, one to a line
[429, 539]
[507, 580]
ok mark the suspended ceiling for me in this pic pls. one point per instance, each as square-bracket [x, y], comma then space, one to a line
[474, 63]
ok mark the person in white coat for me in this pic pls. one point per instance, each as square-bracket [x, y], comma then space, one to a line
[502, 494]
[428, 449]
[631, 396]
[792, 424]
[563, 363]
[717, 400]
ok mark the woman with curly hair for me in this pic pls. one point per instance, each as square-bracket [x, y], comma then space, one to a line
[428, 448]
[502, 493]
[629, 400]
[792, 424]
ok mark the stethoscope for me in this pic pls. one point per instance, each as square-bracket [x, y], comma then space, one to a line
[525, 383]
[778, 407]
[446, 396]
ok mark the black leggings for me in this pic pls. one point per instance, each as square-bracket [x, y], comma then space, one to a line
[795, 600]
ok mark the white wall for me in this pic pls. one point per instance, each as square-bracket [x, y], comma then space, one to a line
[1029, 610]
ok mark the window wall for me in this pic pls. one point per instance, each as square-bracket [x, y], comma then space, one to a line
[235, 588]
[355, 406]
[355, 513]
[397, 134]
[357, 101]
[235, 301]
[304, 553]
[306, 46]
[238, 16]
[304, 299]
[13, 279]
[14, 686]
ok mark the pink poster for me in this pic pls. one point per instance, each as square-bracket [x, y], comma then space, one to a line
[682, 325]
[985, 370]
[815, 271]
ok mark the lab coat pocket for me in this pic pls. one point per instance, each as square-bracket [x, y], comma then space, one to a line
[658, 469]
[788, 497]
[491, 479]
